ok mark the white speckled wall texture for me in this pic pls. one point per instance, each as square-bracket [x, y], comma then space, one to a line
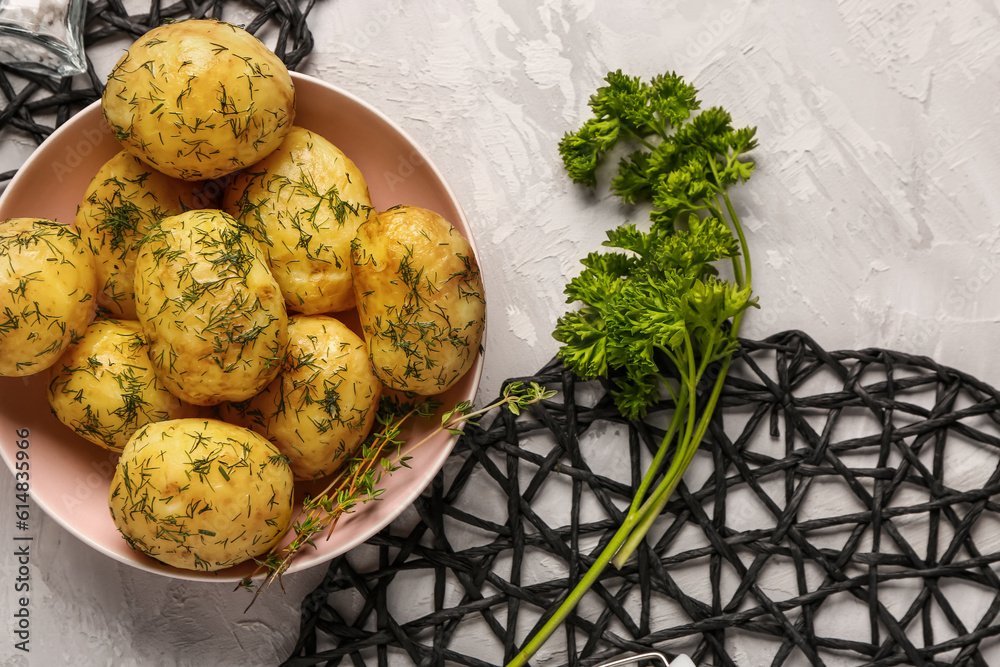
[872, 214]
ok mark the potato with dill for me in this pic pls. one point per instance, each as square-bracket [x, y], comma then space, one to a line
[420, 299]
[104, 388]
[304, 202]
[123, 201]
[47, 284]
[198, 99]
[210, 308]
[322, 406]
[201, 494]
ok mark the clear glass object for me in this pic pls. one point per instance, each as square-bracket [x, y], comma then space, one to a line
[43, 36]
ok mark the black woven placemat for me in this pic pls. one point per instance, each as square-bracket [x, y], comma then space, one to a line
[843, 515]
[35, 105]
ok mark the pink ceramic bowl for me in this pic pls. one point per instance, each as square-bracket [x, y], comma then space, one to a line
[68, 476]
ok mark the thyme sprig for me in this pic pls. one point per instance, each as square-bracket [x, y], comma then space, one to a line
[382, 453]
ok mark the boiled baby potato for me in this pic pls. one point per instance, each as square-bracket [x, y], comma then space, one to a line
[201, 494]
[305, 201]
[199, 99]
[420, 299]
[104, 387]
[47, 285]
[321, 407]
[123, 201]
[209, 307]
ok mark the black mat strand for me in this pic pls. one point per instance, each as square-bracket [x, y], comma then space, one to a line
[843, 514]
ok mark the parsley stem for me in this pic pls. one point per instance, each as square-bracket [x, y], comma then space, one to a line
[738, 228]
[642, 138]
[636, 523]
[589, 578]
[675, 423]
[652, 508]
[723, 193]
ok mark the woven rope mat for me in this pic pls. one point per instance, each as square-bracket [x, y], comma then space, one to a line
[36, 105]
[839, 514]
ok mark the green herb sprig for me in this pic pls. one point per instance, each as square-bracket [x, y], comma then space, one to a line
[656, 315]
[383, 452]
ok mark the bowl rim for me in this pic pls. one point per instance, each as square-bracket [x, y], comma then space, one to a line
[412, 492]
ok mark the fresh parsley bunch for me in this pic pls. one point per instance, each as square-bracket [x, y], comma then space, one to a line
[656, 312]
[660, 291]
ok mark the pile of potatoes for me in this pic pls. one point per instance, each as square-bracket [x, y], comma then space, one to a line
[204, 338]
